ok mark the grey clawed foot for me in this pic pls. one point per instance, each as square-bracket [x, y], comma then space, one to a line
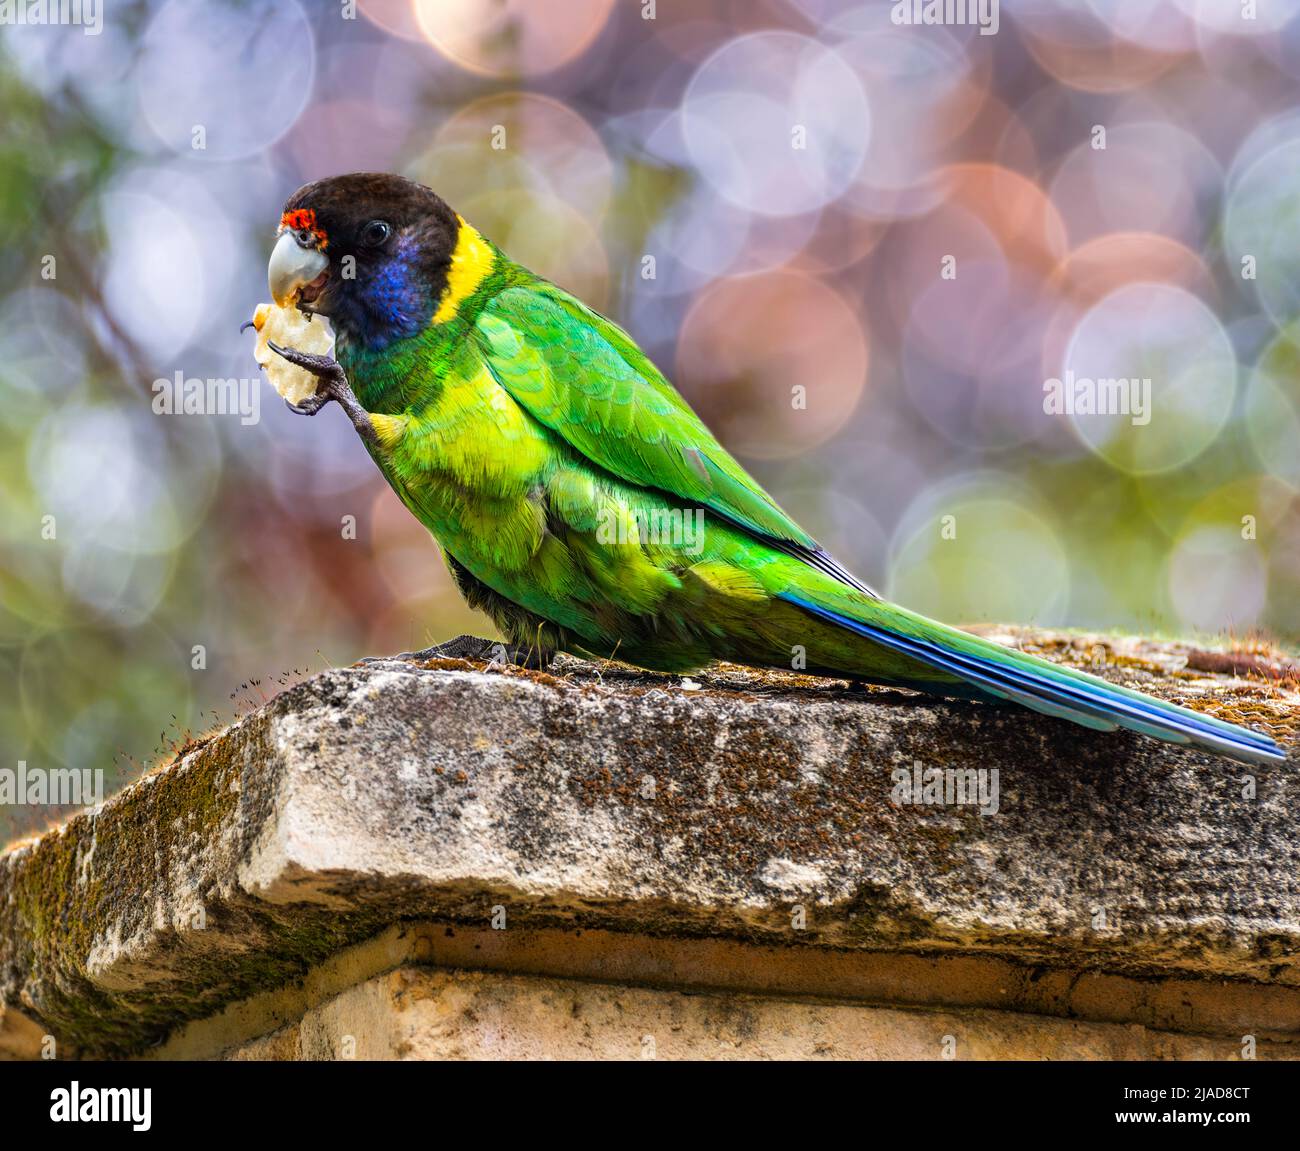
[531, 658]
[332, 384]
[495, 652]
[310, 406]
[326, 368]
[472, 647]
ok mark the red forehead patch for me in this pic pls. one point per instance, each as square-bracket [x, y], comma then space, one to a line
[304, 220]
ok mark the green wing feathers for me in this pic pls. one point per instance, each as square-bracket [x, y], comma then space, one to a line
[581, 376]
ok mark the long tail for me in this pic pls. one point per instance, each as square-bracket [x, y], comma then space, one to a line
[1005, 673]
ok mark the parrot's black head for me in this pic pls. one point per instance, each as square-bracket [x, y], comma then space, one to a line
[369, 250]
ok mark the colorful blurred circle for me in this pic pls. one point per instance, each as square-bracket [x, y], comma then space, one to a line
[777, 123]
[1262, 230]
[775, 363]
[1148, 380]
[976, 548]
[218, 82]
[511, 38]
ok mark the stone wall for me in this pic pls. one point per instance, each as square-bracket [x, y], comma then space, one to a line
[437, 858]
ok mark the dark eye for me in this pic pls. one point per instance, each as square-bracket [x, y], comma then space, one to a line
[375, 233]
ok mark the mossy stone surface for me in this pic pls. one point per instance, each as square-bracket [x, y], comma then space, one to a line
[741, 805]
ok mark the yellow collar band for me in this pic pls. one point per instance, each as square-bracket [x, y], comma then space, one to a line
[471, 263]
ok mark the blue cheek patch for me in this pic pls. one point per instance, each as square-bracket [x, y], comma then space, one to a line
[395, 302]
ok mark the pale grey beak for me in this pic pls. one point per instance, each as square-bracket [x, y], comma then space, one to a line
[292, 267]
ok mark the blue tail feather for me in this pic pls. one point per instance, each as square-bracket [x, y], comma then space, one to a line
[1080, 698]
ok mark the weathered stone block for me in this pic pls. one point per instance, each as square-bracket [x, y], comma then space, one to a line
[737, 833]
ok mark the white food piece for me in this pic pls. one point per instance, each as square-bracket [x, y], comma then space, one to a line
[289, 328]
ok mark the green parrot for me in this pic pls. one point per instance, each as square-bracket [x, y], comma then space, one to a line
[577, 498]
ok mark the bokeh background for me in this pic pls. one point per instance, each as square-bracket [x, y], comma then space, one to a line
[767, 194]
